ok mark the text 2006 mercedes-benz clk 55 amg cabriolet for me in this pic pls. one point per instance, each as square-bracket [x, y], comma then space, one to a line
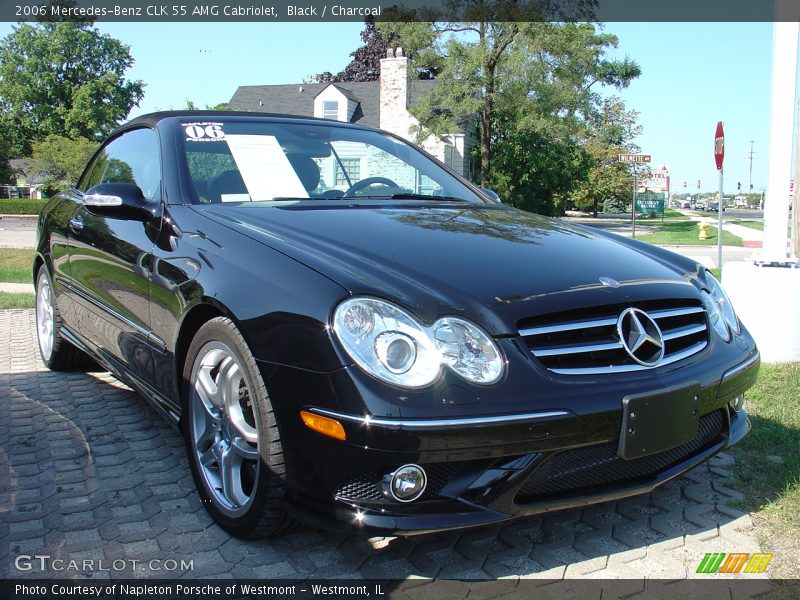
[350, 334]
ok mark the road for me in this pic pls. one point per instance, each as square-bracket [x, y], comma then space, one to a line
[90, 472]
[17, 232]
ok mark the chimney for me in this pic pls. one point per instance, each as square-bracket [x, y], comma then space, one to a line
[394, 115]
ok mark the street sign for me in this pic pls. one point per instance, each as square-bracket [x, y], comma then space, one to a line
[634, 158]
[650, 202]
[719, 145]
[655, 181]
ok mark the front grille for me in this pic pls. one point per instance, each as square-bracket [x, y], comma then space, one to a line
[591, 468]
[586, 342]
[366, 485]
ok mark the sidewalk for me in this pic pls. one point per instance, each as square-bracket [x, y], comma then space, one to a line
[16, 288]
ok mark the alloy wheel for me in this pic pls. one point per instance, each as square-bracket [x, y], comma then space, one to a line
[45, 318]
[224, 429]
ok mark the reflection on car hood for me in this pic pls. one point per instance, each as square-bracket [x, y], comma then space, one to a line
[496, 264]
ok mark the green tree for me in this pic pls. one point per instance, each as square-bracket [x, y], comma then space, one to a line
[63, 78]
[532, 169]
[6, 172]
[537, 76]
[190, 105]
[59, 161]
[611, 132]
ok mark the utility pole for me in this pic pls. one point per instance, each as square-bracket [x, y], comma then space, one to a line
[750, 189]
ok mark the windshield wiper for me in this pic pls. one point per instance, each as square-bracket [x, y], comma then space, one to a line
[409, 196]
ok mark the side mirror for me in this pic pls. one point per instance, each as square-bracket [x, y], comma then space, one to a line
[120, 200]
[494, 196]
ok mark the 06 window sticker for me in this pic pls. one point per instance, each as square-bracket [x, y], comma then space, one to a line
[204, 131]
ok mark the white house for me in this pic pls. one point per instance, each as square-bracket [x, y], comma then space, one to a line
[382, 104]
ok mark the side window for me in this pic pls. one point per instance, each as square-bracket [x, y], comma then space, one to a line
[135, 158]
[94, 174]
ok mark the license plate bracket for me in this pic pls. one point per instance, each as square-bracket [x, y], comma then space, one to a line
[656, 421]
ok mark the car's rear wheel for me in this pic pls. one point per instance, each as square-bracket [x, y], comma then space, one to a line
[232, 438]
[56, 352]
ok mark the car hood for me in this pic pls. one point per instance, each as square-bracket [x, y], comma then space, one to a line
[496, 265]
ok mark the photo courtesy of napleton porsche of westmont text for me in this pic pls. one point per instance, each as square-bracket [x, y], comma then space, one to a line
[426, 299]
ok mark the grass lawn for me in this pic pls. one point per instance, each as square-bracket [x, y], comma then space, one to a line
[674, 215]
[768, 465]
[16, 265]
[751, 224]
[677, 233]
[9, 300]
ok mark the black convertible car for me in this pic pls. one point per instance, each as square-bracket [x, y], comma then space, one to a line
[350, 334]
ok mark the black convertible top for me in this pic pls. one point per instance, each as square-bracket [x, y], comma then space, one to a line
[151, 119]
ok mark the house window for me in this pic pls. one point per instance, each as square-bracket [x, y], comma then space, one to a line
[353, 168]
[330, 110]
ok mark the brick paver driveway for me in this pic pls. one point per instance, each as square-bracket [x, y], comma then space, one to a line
[89, 472]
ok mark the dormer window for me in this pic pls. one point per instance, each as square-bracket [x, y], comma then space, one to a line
[330, 110]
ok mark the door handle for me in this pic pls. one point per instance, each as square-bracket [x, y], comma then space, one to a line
[76, 224]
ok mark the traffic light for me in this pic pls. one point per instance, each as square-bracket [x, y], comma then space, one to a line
[739, 186]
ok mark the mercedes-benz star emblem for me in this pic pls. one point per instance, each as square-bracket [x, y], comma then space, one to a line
[641, 337]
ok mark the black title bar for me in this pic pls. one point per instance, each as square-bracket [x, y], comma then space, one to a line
[398, 10]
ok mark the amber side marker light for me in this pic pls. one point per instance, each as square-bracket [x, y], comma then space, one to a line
[324, 425]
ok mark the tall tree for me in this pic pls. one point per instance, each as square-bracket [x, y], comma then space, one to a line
[544, 74]
[63, 78]
[366, 60]
[59, 161]
[6, 172]
[611, 132]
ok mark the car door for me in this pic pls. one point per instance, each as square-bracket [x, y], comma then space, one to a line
[109, 256]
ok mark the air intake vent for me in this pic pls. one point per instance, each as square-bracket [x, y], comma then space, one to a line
[588, 342]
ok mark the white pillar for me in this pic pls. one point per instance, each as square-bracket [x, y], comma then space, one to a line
[784, 82]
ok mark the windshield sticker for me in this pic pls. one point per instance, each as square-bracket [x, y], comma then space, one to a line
[266, 171]
[204, 132]
[234, 197]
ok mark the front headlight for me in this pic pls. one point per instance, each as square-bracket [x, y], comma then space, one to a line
[720, 310]
[391, 345]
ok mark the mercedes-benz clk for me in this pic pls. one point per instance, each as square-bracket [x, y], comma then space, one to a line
[350, 334]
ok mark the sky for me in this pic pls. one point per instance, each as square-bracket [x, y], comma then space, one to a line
[693, 75]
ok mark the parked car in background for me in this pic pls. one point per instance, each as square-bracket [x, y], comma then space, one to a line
[349, 334]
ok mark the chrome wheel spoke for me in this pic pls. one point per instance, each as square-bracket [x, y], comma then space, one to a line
[207, 388]
[228, 382]
[208, 458]
[230, 466]
[244, 450]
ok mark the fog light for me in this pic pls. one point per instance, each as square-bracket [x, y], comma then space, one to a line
[406, 484]
[738, 403]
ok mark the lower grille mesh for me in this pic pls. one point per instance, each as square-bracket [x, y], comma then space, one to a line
[366, 485]
[586, 469]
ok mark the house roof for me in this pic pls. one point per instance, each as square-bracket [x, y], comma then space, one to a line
[298, 98]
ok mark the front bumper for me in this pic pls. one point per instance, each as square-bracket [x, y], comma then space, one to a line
[490, 469]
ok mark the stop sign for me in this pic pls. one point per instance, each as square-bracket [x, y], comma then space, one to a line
[719, 145]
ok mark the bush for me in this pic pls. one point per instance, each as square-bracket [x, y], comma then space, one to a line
[21, 206]
[614, 205]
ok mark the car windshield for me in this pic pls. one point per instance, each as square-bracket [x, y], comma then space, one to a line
[244, 161]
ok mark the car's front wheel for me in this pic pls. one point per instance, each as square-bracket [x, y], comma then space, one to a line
[231, 435]
[57, 353]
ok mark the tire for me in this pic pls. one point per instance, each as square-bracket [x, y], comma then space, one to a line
[56, 352]
[232, 437]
